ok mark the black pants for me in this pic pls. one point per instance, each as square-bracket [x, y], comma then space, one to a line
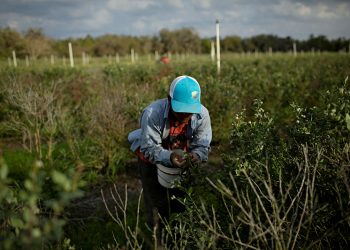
[157, 198]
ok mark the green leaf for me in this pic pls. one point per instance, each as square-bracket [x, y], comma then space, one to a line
[3, 171]
[61, 180]
[36, 232]
[347, 120]
[17, 223]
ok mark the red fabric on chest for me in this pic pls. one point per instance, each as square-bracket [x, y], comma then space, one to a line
[176, 140]
[177, 136]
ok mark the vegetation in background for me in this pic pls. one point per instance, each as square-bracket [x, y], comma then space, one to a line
[34, 43]
[280, 123]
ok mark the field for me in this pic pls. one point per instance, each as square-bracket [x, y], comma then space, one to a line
[277, 175]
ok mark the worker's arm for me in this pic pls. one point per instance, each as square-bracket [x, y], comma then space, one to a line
[202, 136]
[151, 138]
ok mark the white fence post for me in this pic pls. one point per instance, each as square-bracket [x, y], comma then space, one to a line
[212, 51]
[14, 58]
[218, 45]
[295, 49]
[83, 57]
[132, 55]
[117, 59]
[71, 55]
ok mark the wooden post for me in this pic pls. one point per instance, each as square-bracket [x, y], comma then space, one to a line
[295, 49]
[27, 61]
[132, 54]
[117, 59]
[212, 51]
[218, 45]
[14, 58]
[71, 55]
[83, 57]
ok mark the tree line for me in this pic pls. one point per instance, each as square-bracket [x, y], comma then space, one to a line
[35, 43]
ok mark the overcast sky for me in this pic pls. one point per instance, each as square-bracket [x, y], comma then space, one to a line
[77, 18]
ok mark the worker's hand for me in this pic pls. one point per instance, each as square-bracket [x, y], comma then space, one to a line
[194, 158]
[177, 160]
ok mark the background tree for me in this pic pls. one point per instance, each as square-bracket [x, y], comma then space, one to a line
[11, 40]
[157, 45]
[145, 44]
[188, 40]
[206, 45]
[184, 40]
[232, 44]
[37, 43]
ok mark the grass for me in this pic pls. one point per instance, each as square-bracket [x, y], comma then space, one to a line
[20, 161]
[82, 117]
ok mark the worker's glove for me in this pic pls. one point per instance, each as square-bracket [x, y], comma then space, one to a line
[194, 158]
[178, 160]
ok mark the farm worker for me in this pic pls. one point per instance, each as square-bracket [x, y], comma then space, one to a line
[164, 60]
[179, 121]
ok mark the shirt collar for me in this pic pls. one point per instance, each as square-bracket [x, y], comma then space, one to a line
[167, 109]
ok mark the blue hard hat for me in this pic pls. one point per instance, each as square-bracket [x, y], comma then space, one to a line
[185, 94]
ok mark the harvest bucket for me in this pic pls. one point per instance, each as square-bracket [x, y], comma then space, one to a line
[168, 177]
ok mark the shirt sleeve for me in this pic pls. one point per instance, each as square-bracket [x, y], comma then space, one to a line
[202, 136]
[151, 138]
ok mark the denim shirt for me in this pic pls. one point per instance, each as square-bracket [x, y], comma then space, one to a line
[155, 128]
